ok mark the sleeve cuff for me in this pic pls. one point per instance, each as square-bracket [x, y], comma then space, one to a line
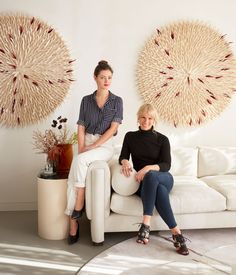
[81, 122]
[117, 119]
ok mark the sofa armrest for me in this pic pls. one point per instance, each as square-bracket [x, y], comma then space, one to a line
[98, 193]
[98, 189]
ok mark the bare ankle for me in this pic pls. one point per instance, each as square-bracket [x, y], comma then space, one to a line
[73, 226]
[175, 231]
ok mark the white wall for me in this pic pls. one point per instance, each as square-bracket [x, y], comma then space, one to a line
[115, 30]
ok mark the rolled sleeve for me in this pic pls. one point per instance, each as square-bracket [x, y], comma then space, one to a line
[119, 113]
[81, 120]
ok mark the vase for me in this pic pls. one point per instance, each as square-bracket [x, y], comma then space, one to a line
[64, 158]
[49, 168]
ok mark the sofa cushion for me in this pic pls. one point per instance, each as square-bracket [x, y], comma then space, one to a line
[196, 197]
[226, 185]
[187, 180]
[188, 196]
[121, 184]
[184, 161]
[131, 205]
[216, 161]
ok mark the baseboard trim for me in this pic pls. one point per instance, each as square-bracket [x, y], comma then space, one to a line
[18, 206]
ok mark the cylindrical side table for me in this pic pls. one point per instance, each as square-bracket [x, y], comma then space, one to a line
[52, 222]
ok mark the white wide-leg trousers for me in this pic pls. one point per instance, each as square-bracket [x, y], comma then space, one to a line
[79, 167]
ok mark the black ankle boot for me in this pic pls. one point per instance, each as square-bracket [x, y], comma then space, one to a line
[76, 214]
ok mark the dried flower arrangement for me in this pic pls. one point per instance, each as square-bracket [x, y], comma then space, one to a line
[48, 141]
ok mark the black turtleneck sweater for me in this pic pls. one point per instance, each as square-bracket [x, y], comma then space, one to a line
[146, 148]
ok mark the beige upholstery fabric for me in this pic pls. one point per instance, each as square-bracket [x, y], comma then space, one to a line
[203, 199]
[124, 205]
[216, 161]
[226, 185]
[187, 180]
[98, 172]
[184, 161]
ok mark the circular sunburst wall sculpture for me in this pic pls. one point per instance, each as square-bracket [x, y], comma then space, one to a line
[187, 71]
[35, 70]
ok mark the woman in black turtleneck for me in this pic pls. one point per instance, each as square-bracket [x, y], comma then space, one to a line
[150, 152]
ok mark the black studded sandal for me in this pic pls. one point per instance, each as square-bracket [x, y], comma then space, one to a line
[180, 245]
[143, 234]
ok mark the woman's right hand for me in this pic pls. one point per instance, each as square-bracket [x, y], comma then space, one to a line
[126, 168]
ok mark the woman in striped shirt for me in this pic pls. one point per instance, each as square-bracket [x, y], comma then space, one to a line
[101, 113]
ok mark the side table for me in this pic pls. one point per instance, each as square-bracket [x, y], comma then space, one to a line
[53, 224]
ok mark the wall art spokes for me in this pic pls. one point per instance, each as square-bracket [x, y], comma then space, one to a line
[187, 71]
[35, 70]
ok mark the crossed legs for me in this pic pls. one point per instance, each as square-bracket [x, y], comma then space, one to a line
[155, 190]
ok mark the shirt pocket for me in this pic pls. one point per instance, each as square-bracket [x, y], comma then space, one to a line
[109, 114]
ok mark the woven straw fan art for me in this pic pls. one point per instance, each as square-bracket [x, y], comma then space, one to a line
[187, 71]
[35, 70]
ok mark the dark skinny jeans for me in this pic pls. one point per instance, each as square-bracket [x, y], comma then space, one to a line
[154, 191]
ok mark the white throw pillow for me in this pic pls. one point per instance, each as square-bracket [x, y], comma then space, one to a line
[121, 184]
[216, 161]
[184, 161]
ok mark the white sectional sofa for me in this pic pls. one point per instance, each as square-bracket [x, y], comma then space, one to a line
[203, 196]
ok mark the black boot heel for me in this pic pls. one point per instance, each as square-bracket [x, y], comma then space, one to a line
[73, 238]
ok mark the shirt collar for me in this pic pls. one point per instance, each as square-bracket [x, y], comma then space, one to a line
[111, 96]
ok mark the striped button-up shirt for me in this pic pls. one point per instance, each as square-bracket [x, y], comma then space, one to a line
[97, 120]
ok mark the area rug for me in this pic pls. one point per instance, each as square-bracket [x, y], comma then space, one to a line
[212, 251]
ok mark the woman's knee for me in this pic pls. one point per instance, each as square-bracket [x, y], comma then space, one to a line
[155, 178]
[84, 159]
[150, 176]
[150, 181]
[167, 181]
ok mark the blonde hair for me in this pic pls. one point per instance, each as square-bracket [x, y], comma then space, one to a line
[148, 108]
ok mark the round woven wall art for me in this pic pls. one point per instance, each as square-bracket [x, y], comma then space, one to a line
[187, 71]
[35, 70]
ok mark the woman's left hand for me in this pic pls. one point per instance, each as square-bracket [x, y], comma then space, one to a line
[88, 147]
[141, 173]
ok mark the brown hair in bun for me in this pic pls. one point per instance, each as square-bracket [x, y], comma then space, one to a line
[102, 65]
